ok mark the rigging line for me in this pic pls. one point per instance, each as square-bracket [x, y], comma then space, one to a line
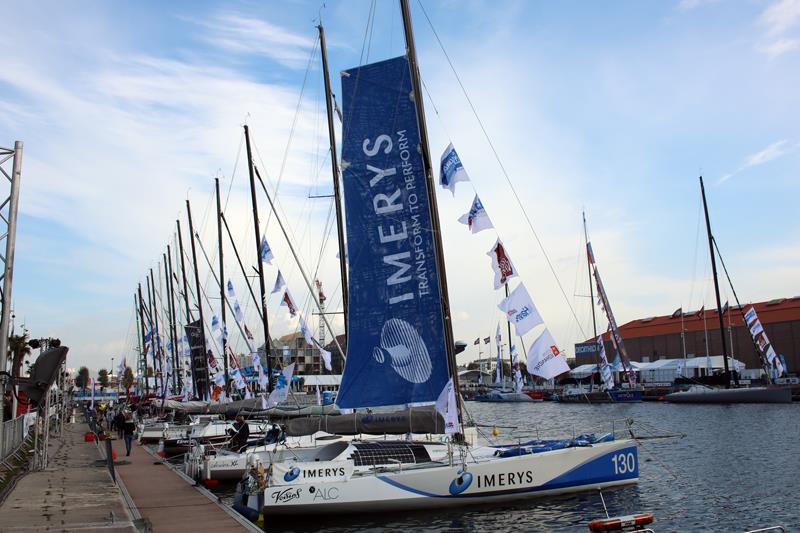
[694, 260]
[233, 173]
[502, 168]
[366, 31]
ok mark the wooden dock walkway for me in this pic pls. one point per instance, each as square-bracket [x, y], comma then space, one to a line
[74, 492]
[167, 501]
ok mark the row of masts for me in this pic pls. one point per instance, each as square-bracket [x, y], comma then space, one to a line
[147, 311]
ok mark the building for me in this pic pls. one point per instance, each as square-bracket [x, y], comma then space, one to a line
[293, 348]
[663, 337]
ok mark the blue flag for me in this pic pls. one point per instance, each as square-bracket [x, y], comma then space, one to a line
[266, 252]
[451, 171]
[396, 348]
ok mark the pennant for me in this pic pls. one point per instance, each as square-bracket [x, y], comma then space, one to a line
[289, 302]
[678, 312]
[589, 253]
[501, 264]
[247, 333]
[477, 219]
[266, 252]
[477, 341]
[520, 311]
[498, 377]
[122, 365]
[679, 369]
[545, 359]
[447, 407]
[319, 398]
[307, 333]
[326, 358]
[451, 171]
[281, 391]
[486, 340]
[279, 283]
[605, 368]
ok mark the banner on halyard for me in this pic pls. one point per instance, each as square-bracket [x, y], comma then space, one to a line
[501, 264]
[520, 311]
[279, 283]
[288, 302]
[545, 359]
[762, 341]
[476, 219]
[281, 391]
[605, 368]
[266, 252]
[199, 364]
[451, 171]
[447, 407]
[396, 350]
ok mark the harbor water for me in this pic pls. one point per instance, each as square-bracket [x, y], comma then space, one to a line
[735, 469]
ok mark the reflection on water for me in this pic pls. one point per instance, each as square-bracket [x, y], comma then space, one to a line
[736, 469]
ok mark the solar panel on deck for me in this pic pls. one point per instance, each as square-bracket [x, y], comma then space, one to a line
[384, 453]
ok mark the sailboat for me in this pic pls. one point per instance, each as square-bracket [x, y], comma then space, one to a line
[703, 394]
[609, 393]
[400, 349]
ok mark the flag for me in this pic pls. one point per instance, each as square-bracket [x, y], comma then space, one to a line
[679, 369]
[515, 369]
[501, 264]
[266, 252]
[725, 308]
[605, 368]
[281, 391]
[326, 358]
[678, 312]
[279, 283]
[545, 359]
[520, 311]
[476, 219]
[122, 365]
[247, 333]
[319, 398]
[702, 311]
[783, 364]
[447, 407]
[289, 302]
[589, 253]
[477, 341]
[451, 171]
[486, 340]
[306, 333]
[91, 403]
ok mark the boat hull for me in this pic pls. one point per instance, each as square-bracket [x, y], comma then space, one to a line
[748, 395]
[485, 481]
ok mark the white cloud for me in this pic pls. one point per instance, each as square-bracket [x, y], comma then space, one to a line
[770, 153]
[688, 5]
[779, 20]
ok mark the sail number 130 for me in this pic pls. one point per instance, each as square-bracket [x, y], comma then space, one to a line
[624, 463]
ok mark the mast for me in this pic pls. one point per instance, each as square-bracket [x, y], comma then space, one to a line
[171, 323]
[144, 342]
[716, 288]
[156, 334]
[262, 288]
[176, 359]
[201, 394]
[411, 52]
[508, 324]
[337, 198]
[591, 291]
[224, 333]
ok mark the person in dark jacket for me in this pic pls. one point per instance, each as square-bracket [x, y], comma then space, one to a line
[128, 429]
[240, 433]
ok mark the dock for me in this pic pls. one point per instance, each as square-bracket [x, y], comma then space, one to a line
[77, 493]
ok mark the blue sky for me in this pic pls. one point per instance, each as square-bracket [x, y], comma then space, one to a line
[127, 109]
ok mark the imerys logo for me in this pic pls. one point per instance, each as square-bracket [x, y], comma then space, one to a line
[292, 474]
[460, 483]
[405, 351]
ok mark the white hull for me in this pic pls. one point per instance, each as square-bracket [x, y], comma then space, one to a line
[487, 479]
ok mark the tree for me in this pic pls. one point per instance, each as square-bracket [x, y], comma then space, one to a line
[82, 379]
[127, 379]
[102, 377]
[149, 372]
[18, 349]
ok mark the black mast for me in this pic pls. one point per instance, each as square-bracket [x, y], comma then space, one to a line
[335, 171]
[224, 341]
[591, 289]
[144, 342]
[157, 367]
[411, 52]
[176, 359]
[264, 318]
[716, 288]
[202, 394]
[171, 323]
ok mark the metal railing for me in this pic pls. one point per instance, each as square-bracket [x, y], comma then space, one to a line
[14, 433]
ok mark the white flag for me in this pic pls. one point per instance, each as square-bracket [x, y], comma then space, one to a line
[679, 368]
[319, 398]
[307, 333]
[279, 283]
[498, 376]
[501, 264]
[451, 171]
[281, 391]
[266, 252]
[446, 406]
[476, 219]
[326, 357]
[544, 358]
[122, 365]
[605, 368]
[288, 301]
[520, 311]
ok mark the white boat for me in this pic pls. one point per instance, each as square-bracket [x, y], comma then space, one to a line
[703, 394]
[213, 432]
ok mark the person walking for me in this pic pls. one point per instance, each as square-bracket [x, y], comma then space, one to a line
[128, 428]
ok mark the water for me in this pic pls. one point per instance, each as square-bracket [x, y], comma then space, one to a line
[736, 469]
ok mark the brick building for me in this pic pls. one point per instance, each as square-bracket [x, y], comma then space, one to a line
[659, 337]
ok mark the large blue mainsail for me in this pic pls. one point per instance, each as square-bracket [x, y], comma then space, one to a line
[396, 344]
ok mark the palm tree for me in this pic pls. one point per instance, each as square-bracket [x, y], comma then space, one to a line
[18, 349]
[82, 379]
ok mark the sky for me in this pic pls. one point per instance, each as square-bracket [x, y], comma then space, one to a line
[127, 109]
